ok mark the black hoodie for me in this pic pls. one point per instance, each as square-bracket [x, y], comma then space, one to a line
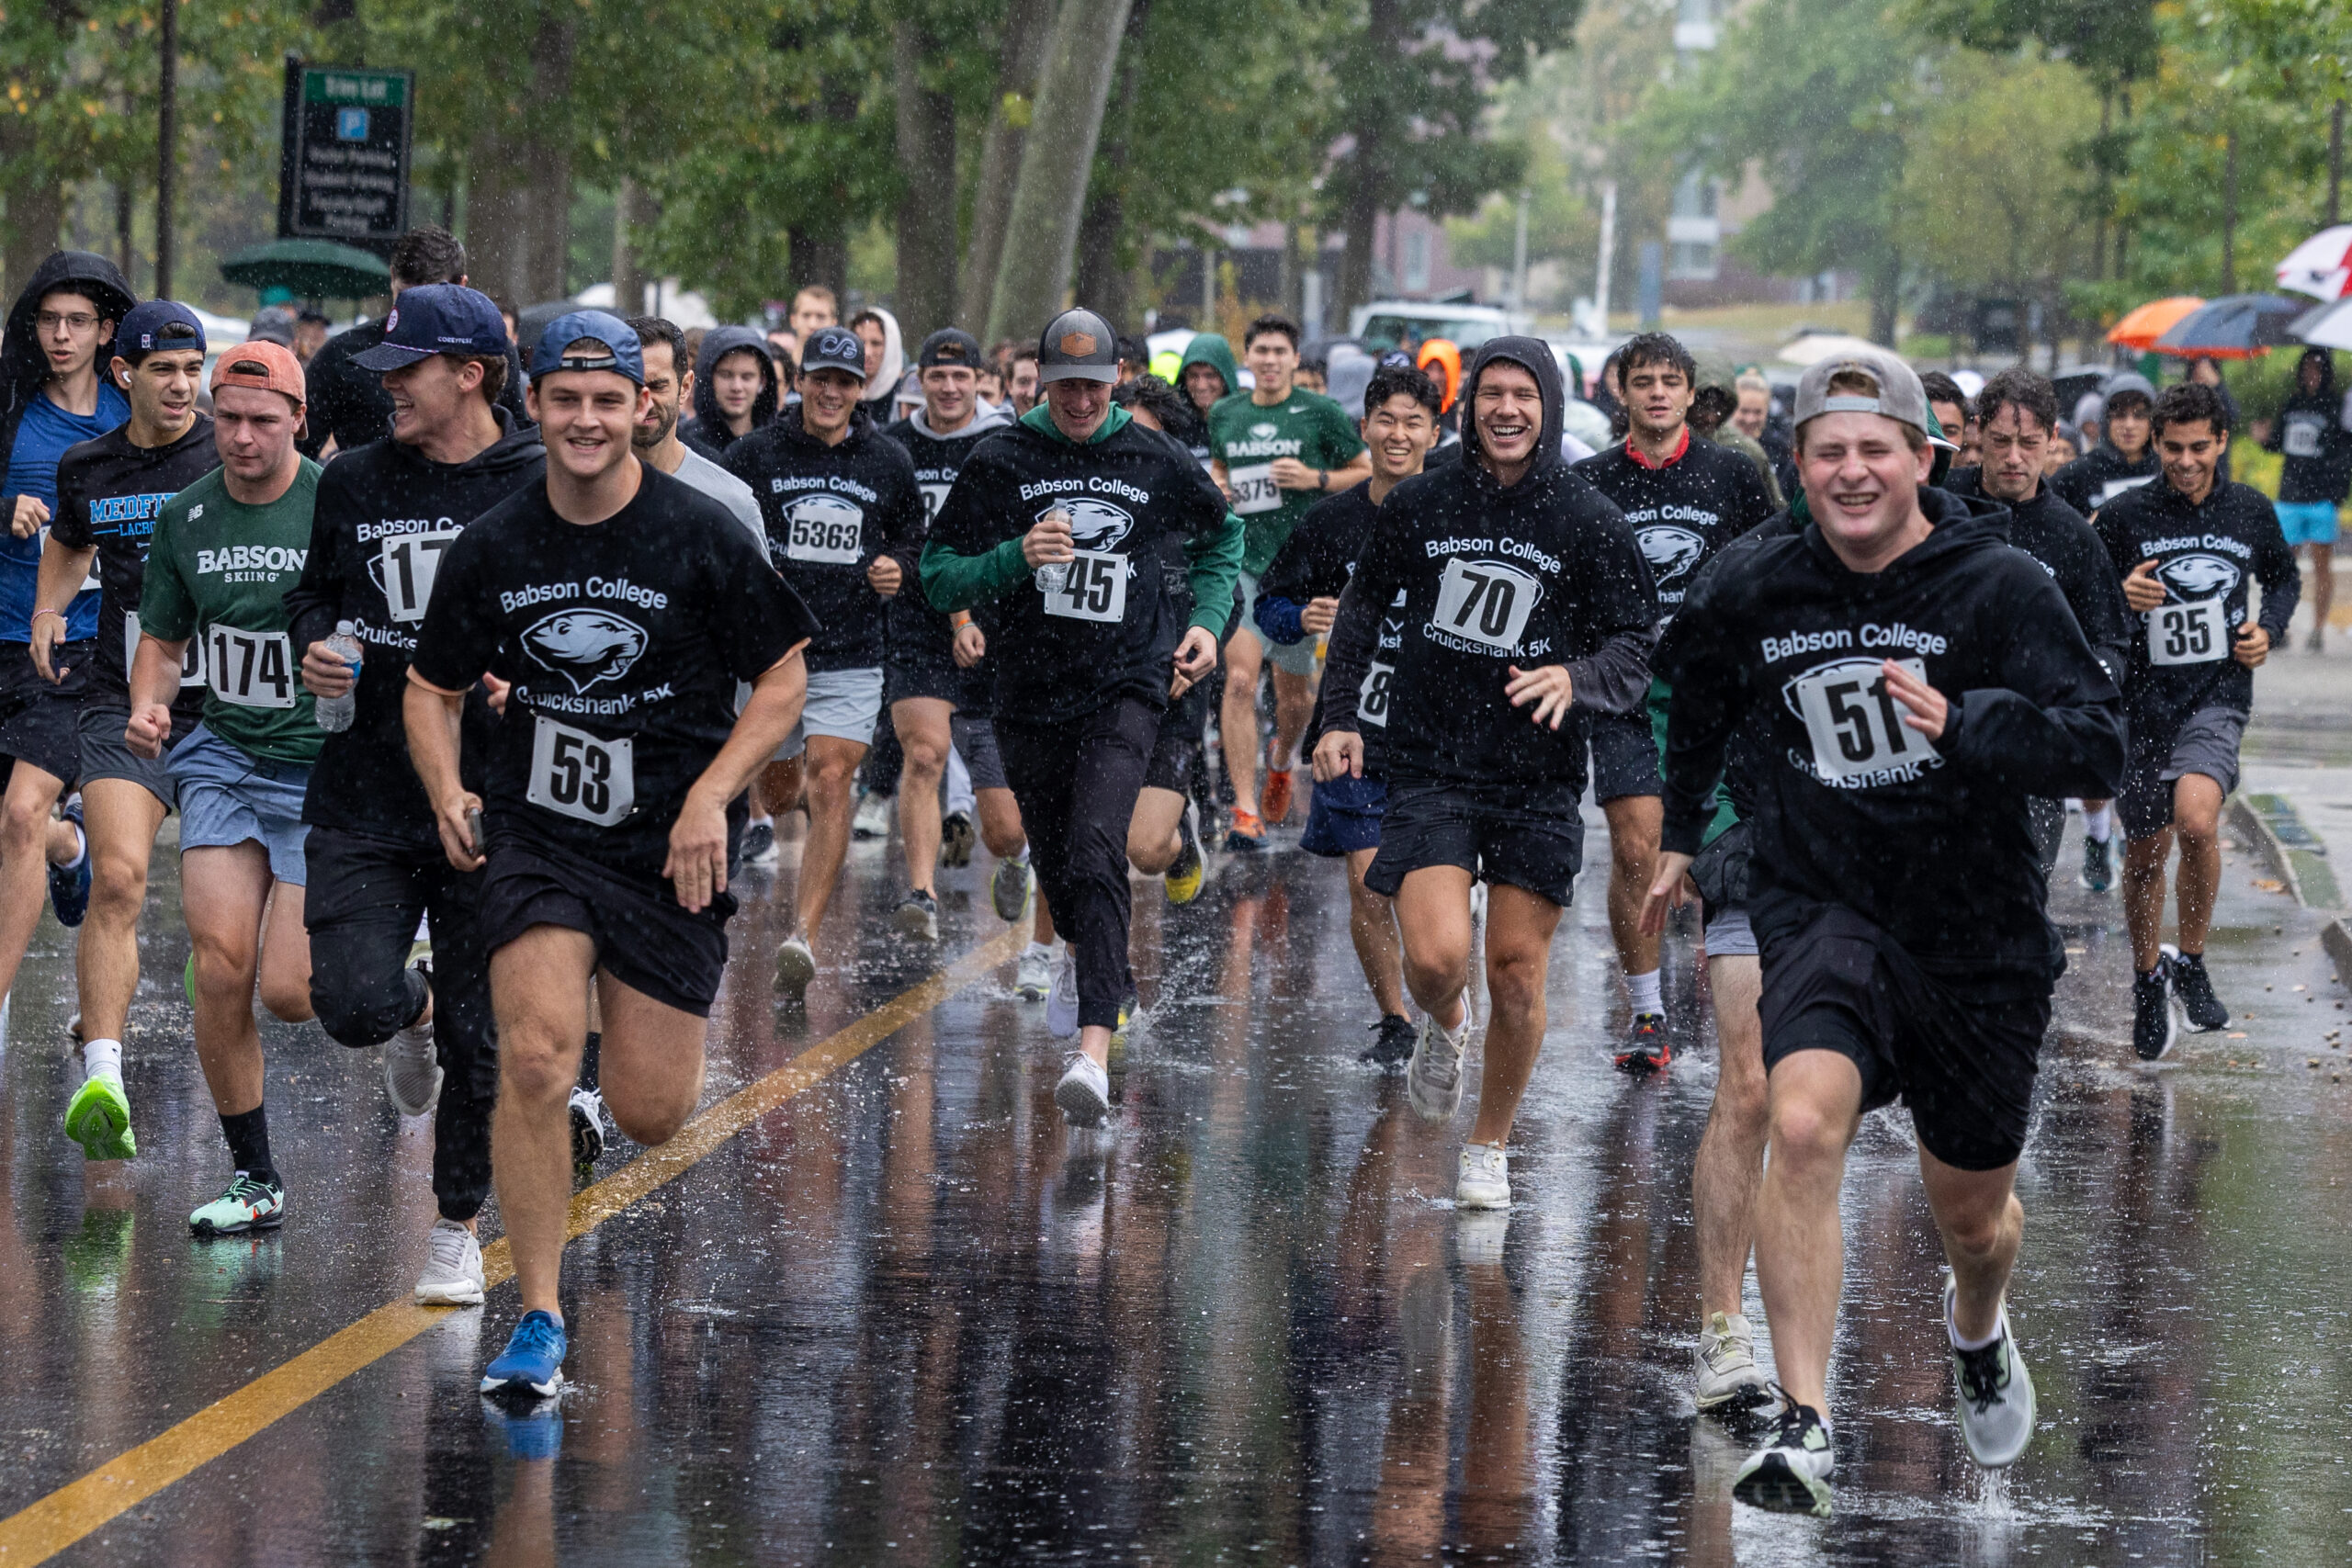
[384, 517]
[830, 512]
[1543, 571]
[709, 427]
[2068, 548]
[2310, 432]
[23, 368]
[1928, 840]
[2101, 474]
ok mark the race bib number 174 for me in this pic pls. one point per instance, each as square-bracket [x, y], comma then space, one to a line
[252, 670]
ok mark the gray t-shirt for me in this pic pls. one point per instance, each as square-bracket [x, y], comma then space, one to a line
[727, 491]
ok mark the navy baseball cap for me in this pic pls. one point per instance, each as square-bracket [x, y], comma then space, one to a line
[624, 355]
[435, 318]
[949, 345]
[148, 327]
[833, 348]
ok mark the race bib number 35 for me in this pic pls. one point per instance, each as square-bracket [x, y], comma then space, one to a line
[252, 669]
[1854, 722]
[1094, 588]
[1253, 489]
[1486, 602]
[408, 565]
[575, 775]
[2197, 633]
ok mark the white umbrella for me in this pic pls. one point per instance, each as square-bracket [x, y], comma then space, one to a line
[2321, 266]
[2324, 326]
[1816, 346]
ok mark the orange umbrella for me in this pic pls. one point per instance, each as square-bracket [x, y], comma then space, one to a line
[2139, 329]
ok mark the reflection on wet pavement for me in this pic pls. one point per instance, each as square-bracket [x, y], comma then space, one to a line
[906, 1317]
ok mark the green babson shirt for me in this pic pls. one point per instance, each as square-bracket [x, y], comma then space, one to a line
[1247, 437]
[220, 569]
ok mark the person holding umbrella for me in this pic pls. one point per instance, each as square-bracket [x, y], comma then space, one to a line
[2310, 434]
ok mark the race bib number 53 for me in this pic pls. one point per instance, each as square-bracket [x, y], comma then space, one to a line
[2196, 633]
[1855, 724]
[579, 775]
[252, 669]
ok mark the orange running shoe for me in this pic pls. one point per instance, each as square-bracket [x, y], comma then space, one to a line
[1245, 833]
[1274, 801]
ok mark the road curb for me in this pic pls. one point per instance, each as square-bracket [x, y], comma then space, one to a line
[2255, 823]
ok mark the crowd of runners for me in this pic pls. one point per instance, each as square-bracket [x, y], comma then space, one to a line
[473, 705]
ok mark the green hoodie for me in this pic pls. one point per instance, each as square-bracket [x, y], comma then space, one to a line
[1210, 349]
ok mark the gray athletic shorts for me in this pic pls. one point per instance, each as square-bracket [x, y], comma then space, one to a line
[2206, 743]
[844, 704]
[1728, 933]
[974, 740]
[107, 755]
[1291, 658]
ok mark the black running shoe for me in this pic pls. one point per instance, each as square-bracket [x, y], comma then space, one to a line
[2195, 989]
[1647, 1050]
[1392, 1041]
[2153, 1027]
[1791, 1473]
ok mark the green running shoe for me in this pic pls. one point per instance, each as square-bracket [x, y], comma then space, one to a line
[187, 979]
[243, 1205]
[98, 1119]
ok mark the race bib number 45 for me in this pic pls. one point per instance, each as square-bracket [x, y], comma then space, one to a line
[1486, 602]
[2196, 633]
[576, 775]
[1253, 489]
[407, 567]
[252, 669]
[1855, 724]
[1094, 588]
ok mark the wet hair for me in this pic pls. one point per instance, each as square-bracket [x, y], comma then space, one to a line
[1402, 381]
[1272, 321]
[1942, 389]
[650, 329]
[2188, 403]
[1134, 351]
[173, 335]
[493, 372]
[1156, 398]
[2027, 391]
[1655, 348]
[429, 254]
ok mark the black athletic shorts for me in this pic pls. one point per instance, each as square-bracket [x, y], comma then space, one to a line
[1176, 751]
[1624, 756]
[643, 939]
[919, 657]
[40, 723]
[105, 754]
[2205, 742]
[1538, 847]
[1961, 1054]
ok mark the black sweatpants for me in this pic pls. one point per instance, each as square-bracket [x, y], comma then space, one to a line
[1077, 784]
[365, 896]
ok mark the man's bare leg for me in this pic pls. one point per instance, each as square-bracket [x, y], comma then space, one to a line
[2197, 827]
[1245, 657]
[122, 820]
[831, 768]
[29, 842]
[1730, 1167]
[1983, 1224]
[1816, 1099]
[1519, 926]
[1294, 705]
[922, 725]
[538, 987]
[1433, 916]
[1153, 841]
[1372, 926]
[224, 893]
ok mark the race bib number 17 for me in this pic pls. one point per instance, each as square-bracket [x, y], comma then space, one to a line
[409, 564]
[1854, 721]
[580, 775]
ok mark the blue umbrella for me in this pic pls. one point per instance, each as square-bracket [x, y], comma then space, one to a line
[2235, 326]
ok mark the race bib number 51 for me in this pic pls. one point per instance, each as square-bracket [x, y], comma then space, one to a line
[1855, 724]
[2196, 633]
[1094, 588]
[580, 775]
[1486, 602]
[252, 669]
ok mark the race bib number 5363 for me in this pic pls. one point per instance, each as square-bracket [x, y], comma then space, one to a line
[580, 775]
[1854, 722]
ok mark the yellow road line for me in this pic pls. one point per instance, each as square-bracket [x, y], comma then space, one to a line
[75, 1510]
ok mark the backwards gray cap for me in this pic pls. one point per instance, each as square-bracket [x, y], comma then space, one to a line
[1900, 395]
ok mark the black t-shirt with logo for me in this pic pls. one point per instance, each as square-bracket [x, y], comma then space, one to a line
[108, 492]
[830, 512]
[624, 640]
[1315, 562]
[918, 632]
[1682, 511]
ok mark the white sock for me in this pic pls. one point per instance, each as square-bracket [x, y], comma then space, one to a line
[1284, 761]
[1644, 990]
[1019, 856]
[762, 819]
[1037, 947]
[2098, 826]
[1953, 1330]
[82, 839]
[103, 1057]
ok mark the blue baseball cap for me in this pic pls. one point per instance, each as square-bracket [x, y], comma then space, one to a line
[624, 356]
[148, 326]
[435, 318]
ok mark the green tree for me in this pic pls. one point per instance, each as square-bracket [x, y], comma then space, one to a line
[1560, 225]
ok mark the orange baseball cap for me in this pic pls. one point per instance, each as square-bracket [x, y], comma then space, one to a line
[265, 367]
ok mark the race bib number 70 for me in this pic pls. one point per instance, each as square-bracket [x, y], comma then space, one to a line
[1486, 602]
[580, 775]
[1854, 722]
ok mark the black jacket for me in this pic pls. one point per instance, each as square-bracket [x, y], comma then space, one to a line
[1315, 562]
[2101, 474]
[1929, 841]
[23, 368]
[709, 430]
[2068, 548]
[2310, 432]
[351, 404]
[2207, 557]
[1544, 571]
[383, 519]
[831, 510]
[1682, 513]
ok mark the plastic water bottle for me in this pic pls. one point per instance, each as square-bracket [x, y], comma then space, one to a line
[335, 712]
[1054, 575]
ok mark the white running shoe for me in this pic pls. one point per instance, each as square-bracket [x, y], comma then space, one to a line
[1061, 1007]
[452, 1274]
[1035, 977]
[1996, 1403]
[1009, 889]
[1729, 1378]
[1433, 1078]
[587, 1125]
[1084, 1093]
[1485, 1179]
[795, 967]
[873, 818]
[412, 1070]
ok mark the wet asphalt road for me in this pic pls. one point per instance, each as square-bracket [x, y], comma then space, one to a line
[907, 1319]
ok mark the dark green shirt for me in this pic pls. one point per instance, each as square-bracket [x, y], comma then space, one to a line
[1247, 437]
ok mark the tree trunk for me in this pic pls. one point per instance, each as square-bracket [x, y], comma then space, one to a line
[822, 259]
[1102, 283]
[629, 210]
[36, 213]
[1885, 284]
[1028, 25]
[494, 223]
[1041, 231]
[547, 196]
[1368, 182]
[926, 126]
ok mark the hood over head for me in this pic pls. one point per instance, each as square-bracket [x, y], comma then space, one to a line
[1210, 349]
[2327, 363]
[884, 382]
[24, 369]
[716, 344]
[1348, 376]
[1535, 357]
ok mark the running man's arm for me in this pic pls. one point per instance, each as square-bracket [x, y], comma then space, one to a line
[965, 563]
[1282, 587]
[430, 716]
[697, 864]
[1702, 661]
[1212, 566]
[63, 570]
[1615, 676]
[2053, 727]
[1355, 630]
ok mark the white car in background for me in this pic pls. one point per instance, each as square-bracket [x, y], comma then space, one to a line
[1465, 326]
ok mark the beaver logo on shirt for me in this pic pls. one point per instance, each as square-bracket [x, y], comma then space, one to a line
[1094, 524]
[2199, 576]
[585, 647]
[1670, 551]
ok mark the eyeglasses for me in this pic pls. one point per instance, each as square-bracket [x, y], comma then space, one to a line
[49, 321]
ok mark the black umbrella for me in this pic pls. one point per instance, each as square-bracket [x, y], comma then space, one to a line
[2235, 326]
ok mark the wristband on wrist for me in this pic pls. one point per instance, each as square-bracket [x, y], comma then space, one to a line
[45, 610]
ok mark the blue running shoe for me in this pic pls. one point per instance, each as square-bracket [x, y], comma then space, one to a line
[533, 1360]
[69, 887]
